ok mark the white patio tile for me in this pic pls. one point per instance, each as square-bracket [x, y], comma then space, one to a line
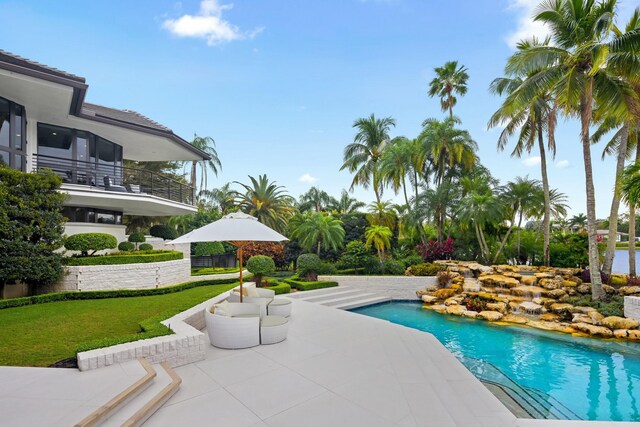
[274, 392]
[216, 408]
[194, 383]
[233, 369]
[332, 369]
[291, 350]
[327, 410]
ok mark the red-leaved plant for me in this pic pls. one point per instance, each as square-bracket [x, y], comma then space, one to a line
[434, 250]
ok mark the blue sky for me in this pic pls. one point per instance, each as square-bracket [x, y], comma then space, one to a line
[278, 83]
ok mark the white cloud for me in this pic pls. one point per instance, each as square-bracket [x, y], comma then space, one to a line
[563, 164]
[531, 161]
[308, 179]
[526, 26]
[208, 24]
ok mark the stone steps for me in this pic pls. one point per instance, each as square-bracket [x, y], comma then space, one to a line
[342, 297]
[134, 405]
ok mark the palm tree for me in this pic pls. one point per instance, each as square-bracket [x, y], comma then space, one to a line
[265, 200]
[207, 145]
[631, 195]
[586, 64]
[314, 229]
[449, 79]
[363, 154]
[530, 118]
[382, 213]
[220, 198]
[480, 209]
[345, 204]
[315, 199]
[520, 197]
[396, 163]
[579, 221]
[380, 237]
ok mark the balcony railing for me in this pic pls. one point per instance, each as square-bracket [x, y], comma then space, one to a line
[116, 178]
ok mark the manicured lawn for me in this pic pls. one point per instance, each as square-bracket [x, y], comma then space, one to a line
[210, 270]
[39, 335]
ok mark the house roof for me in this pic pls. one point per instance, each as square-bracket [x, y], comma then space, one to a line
[112, 116]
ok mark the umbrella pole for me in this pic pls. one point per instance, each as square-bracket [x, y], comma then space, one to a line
[240, 257]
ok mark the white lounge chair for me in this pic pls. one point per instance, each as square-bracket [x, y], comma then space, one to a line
[233, 325]
[269, 304]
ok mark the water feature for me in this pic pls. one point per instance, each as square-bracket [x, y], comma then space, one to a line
[590, 379]
[621, 261]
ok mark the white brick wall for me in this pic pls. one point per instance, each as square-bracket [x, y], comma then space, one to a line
[124, 276]
[397, 287]
[632, 307]
[187, 345]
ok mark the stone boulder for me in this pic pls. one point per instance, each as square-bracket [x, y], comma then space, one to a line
[557, 293]
[429, 299]
[544, 275]
[550, 326]
[471, 285]
[549, 317]
[596, 318]
[444, 293]
[583, 289]
[569, 284]
[456, 309]
[470, 313]
[633, 334]
[554, 283]
[498, 280]
[610, 290]
[530, 307]
[529, 280]
[560, 307]
[599, 331]
[621, 333]
[629, 290]
[497, 306]
[582, 318]
[514, 318]
[491, 316]
[615, 322]
[528, 291]
[439, 308]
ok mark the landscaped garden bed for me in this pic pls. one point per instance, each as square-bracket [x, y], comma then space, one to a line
[204, 271]
[125, 257]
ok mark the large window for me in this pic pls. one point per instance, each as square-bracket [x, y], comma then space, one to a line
[12, 134]
[90, 215]
[79, 157]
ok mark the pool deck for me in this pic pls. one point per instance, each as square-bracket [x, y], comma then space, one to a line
[336, 368]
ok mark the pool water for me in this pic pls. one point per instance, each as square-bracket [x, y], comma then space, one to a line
[575, 378]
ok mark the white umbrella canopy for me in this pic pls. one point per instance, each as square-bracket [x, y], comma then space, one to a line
[236, 228]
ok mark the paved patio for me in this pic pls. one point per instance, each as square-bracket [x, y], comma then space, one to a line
[335, 369]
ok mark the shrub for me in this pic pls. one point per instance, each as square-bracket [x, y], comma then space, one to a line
[275, 251]
[355, 255]
[137, 237]
[434, 250]
[327, 268]
[208, 248]
[372, 265]
[163, 231]
[259, 265]
[444, 278]
[126, 258]
[126, 246]
[90, 242]
[475, 304]
[146, 247]
[412, 260]
[395, 268]
[585, 275]
[425, 269]
[611, 305]
[280, 288]
[308, 266]
[310, 286]
[31, 227]
[633, 281]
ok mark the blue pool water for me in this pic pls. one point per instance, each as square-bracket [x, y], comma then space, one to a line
[579, 378]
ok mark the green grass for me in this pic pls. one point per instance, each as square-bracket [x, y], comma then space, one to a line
[202, 271]
[41, 334]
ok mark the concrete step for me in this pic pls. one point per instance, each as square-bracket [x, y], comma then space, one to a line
[307, 294]
[330, 296]
[363, 302]
[346, 299]
[139, 409]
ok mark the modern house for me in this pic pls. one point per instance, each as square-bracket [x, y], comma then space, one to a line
[46, 123]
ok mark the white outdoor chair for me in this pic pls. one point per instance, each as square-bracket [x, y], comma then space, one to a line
[233, 325]
[269, 304]
[273, 329]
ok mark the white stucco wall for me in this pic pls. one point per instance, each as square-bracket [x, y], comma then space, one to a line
[397, 287]
[124, 276]
[632, 307]
[118, 231]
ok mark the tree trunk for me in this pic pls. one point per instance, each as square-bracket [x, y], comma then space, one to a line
[519, 231]
[477, 230]
[546, 222]
[504, 241]
[607, 265]
[319, 243]
[194, 164]
[404, 189]
[586, 109]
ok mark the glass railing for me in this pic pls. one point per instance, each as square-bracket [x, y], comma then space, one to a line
[116, 178]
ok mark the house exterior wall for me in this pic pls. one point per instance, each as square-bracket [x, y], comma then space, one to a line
[118, 231]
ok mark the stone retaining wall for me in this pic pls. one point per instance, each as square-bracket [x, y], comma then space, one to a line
[632, 307]
[186, 345]
[397, 287]
[124, 276]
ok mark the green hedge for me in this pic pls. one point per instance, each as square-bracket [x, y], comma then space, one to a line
[310, 286]
[124, 293]
[280, 288]
[119, 258]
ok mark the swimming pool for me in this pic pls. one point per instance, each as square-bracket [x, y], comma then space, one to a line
[555, 375]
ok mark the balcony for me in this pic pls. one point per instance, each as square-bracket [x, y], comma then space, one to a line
[115, 179]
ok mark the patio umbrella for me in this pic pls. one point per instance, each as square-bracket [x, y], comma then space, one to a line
[236, 228]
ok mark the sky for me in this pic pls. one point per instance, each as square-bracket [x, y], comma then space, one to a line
[278, 83]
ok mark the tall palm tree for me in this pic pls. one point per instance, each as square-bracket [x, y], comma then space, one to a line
[382, 213]
[265, 200]
[314, 199]
[531, 118]
[586, 64]
[396, 163]
[520, 198]
[317, 230]
[363, 154]
[480, 209]
[378, 236]
[449, 79]
[208, 145]
[631, 195]
[220, 198]
[579, 220]
[345, 204]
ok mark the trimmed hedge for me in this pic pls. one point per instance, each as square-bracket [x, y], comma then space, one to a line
[425, 269]
[280, 288]
[90, 242]
[310, 286]
[135, 258]
[126, 246]
[123, 293]
[146, 247]
[163, 231]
